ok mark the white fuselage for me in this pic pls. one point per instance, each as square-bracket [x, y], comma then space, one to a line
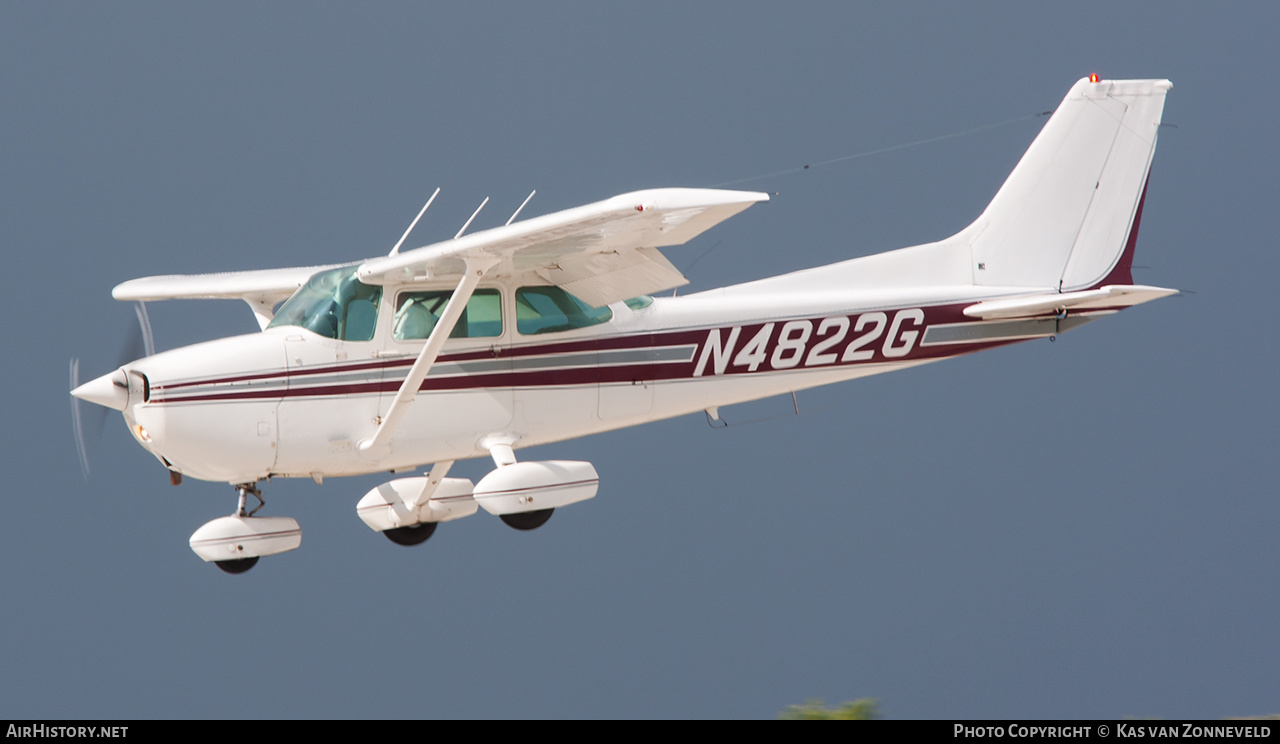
[289, 402]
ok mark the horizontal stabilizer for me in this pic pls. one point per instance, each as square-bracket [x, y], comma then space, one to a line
[1112, 297]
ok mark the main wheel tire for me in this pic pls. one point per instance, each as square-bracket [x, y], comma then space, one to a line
[237, 565]
[530, 520]
[415, 535]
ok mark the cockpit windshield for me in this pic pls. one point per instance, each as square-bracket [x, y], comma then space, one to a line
[334, 304]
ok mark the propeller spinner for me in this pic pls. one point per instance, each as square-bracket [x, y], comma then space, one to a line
[110, 391]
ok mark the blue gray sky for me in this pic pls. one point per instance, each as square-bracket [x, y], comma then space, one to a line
[1083, 528]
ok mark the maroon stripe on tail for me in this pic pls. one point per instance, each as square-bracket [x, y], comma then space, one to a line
[1122, 273]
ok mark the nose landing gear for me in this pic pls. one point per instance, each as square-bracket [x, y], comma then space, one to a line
[235, 543]
[245, 489]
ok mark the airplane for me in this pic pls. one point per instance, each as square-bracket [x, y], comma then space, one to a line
[547, 329]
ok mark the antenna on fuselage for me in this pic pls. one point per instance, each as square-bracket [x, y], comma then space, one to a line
[414, 224]
[526, 201]
[473, 216]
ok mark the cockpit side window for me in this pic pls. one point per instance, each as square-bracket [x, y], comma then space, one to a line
[551, 310]
[418, 312]
[359, 318]
[334, 304]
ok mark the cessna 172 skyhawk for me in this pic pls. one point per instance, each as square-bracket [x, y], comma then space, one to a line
[542, 330]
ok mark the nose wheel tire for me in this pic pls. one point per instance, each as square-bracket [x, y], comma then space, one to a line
[415, 535]
[238, 565]
[525, 521]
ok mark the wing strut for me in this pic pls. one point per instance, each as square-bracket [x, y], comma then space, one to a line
[437, 474]
[379, 445]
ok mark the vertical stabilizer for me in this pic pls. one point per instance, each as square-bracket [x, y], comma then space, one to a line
[1064, 217]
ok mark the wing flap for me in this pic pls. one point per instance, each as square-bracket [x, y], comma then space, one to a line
[603, 278]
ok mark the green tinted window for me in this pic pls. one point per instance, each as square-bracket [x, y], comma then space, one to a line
[334, 304]
[418, 312]
[551, 309]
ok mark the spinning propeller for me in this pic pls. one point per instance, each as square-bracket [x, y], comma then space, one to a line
[89, 421]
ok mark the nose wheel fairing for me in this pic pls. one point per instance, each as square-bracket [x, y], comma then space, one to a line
[235, 543]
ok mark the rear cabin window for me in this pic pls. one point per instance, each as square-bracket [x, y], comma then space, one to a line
[418, 312]
[551, 310]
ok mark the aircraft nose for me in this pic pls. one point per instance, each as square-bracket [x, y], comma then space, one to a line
[110, 390]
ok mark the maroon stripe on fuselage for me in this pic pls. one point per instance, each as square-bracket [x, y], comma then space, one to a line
[279, 374]
[548, 378]
[637, 341]
[583, 372]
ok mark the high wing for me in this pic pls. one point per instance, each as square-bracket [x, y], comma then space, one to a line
[262, 290]
[601, 252]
